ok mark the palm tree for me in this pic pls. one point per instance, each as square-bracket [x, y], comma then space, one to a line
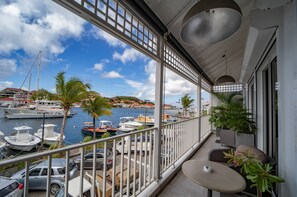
[186, 102]
[69, 92]
[96, 107]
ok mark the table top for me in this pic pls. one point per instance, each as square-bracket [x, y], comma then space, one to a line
[222, 179]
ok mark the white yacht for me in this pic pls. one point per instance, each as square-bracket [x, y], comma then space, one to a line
[128, 124]
[50, 136]
[40, 108]
[22, 140]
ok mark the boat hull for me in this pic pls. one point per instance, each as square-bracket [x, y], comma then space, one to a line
[12, 143]
[49, 140]
[33, 114]
[21, 148]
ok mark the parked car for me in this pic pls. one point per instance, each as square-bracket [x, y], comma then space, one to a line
[38, 175]
[88, 159]
[10, 187]
[135, 144]
[74, 191]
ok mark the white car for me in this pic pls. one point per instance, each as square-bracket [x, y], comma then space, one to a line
[10, 187]
[74, 190]
[134, 145]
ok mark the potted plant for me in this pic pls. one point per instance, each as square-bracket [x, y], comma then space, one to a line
[260, 175]
[234, 121]
[219, 115]
[241, 122]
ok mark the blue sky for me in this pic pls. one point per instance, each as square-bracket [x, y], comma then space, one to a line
[70, 44]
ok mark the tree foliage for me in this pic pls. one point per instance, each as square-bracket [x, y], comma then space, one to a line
[69, 92]
[186, 102]
[43, 94]
[96, 107]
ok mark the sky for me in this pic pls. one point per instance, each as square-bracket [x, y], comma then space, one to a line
[73, 45]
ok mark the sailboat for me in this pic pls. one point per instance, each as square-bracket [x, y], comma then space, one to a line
[39, 108]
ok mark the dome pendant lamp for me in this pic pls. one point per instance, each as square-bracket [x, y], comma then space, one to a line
[210, 21]
[225, 79]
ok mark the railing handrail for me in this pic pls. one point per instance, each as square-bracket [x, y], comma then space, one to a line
[179, 121]
[68, 148]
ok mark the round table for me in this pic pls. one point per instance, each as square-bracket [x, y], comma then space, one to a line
[222, 178]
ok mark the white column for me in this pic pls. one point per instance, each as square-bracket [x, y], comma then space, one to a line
[158, 111]
[287, 99]
[199, 105]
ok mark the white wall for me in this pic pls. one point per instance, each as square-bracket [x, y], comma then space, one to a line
[287, 111]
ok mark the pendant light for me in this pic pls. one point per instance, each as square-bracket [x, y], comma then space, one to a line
[225, 79]
[210, 21]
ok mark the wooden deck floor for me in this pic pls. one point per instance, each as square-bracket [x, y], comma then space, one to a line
[181, 186]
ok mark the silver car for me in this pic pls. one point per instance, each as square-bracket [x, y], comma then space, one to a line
[88, 159]
[38, 175]
[10, 187]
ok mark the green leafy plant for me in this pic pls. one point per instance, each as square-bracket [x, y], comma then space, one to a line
[96, 106]
[186, 102]
[259, 174]
[231, 114]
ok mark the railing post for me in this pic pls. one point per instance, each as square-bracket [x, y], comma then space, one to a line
[158, 110]
[209, 109]
[26, 181]
[199, 106]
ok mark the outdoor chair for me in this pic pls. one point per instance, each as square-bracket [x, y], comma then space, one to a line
[217, 155]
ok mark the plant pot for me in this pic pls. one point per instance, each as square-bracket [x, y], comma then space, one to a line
[227, 137]
[245, 139]
[218, 132]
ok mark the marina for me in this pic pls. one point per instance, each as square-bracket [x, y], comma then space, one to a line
[74, 124]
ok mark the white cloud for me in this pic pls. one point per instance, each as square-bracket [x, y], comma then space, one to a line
[100, 66]
[5, 84]
[37, 26]
[129, 55]
[174, 84]
[134, 84]
[111, 40]
[7, 67]
[112, 74]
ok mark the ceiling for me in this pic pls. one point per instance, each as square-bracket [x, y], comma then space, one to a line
[209, 58]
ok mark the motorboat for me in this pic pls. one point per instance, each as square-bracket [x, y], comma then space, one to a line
[145, 120]
[50, 136]
[128, 124]
[107, 125]
[22, 140]
[126, 119]
[88, 129]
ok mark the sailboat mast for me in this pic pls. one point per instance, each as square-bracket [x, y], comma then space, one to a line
[28, 95]
[38, 76]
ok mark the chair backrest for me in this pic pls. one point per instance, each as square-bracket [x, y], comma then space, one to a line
[253, 151]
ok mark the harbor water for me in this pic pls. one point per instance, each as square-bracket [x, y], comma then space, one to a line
[73, 134]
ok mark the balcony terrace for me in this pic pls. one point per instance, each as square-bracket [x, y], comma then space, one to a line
[261, 59]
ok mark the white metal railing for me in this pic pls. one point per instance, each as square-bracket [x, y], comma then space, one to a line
[132, 155]
[205, 126]
[176, 140]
